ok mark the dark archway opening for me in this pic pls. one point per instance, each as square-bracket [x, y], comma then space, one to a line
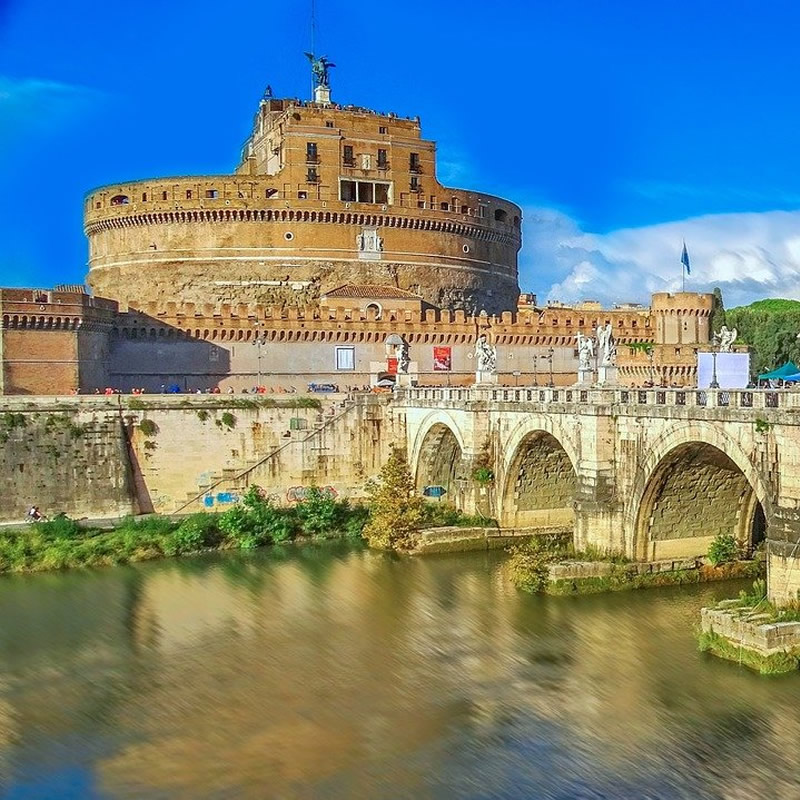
[541, 484]
[696, 493]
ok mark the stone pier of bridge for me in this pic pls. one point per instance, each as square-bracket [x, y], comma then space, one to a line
[652, 474]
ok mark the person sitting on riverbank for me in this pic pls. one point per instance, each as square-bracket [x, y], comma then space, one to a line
[34, 515]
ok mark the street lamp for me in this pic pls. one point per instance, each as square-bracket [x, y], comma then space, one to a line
[550, 352]
[535, 369]
[714, 382]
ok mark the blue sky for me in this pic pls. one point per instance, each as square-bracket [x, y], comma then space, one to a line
[620, 127]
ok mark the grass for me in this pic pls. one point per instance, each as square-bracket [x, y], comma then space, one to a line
[62, 543]
[774, 664]
[444, 515]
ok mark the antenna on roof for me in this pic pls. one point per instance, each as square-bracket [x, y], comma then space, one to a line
[313, 38]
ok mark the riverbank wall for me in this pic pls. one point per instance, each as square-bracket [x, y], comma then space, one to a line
[101, 456]
[453, 539]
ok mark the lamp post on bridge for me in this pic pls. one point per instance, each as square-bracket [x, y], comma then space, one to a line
[714, 382]
[550, 352]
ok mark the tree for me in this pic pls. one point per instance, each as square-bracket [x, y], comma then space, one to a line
[394, 506]
[717, 311]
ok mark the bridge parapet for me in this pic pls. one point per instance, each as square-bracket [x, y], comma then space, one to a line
[749, 401]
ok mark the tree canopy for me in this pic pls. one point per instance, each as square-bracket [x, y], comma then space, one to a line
[770, 327]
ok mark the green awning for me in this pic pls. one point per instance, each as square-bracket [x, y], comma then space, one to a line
[789, 368]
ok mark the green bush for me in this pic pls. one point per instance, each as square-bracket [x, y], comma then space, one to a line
[228, 420]
[202, 414]
[724, 548]
[256, 522]
[60, 527]
[355, 520]
[193, 534]
[529, 564]
[148, 427]
[318, 513]
[444, 515]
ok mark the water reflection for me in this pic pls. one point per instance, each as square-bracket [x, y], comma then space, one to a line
[330, 672]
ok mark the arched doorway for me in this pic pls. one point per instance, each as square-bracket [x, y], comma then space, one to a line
[540, 484]
[695, 493]
[440, 463]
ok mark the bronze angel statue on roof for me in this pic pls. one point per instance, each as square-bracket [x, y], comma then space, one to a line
[319, 69]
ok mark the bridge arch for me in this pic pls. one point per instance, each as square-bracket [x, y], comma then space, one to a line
[539, 475]
[695, 482]
[438, 456]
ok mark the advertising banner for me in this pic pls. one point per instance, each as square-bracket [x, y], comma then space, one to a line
[442, 359]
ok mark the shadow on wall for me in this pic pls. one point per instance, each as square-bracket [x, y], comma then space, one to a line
[146, 353]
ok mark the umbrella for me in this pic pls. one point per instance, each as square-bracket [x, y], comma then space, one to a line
[385, 382]
[434, 491]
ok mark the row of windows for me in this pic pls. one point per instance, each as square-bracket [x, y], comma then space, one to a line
[350, 191]
[349, 158]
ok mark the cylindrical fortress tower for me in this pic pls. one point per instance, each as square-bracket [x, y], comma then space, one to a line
[324, 195]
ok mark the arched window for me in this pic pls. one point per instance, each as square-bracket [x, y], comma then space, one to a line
[120, 200]
[500, 215]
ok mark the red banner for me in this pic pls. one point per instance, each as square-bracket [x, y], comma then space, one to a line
[442, 359]
[391, 366]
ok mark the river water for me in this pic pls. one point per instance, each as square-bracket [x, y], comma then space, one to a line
[328, 672]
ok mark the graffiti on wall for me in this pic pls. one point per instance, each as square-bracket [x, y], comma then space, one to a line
[298, 493]
[220, 498]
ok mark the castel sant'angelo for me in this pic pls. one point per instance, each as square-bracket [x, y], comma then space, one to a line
[331, 249]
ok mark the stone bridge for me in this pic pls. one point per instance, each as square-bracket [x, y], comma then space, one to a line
[654, 474]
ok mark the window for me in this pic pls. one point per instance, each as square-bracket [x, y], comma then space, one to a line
[580, 323]
[482, 212]
[413, 162]
[383, 129]
[382, 193]
[144, 197]
[311, 152]
[302, 195]
[188, 194]
[444, 207]
[366, 192]
[363, 192]
[383, 161]
[328, 123]
[348, 158]
[311, 175]
[120, 200]
[163, 195]
[345, 358]
[500, 215]
[677, 351]
[415, 187]
[212, 194]
[271, 193]
[464, 209]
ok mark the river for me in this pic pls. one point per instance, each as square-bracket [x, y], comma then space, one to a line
[332, 672]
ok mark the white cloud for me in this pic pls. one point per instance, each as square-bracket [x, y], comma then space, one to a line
[748, 255]
[29, 106]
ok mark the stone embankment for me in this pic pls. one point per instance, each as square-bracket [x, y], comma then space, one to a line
[743, 634]
[98, 456]
[453, 539]
[589, 577]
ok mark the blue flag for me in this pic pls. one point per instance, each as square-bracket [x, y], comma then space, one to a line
[685, 260]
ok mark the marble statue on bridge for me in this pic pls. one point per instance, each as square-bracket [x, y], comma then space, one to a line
[486, 357]
[725, 338]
